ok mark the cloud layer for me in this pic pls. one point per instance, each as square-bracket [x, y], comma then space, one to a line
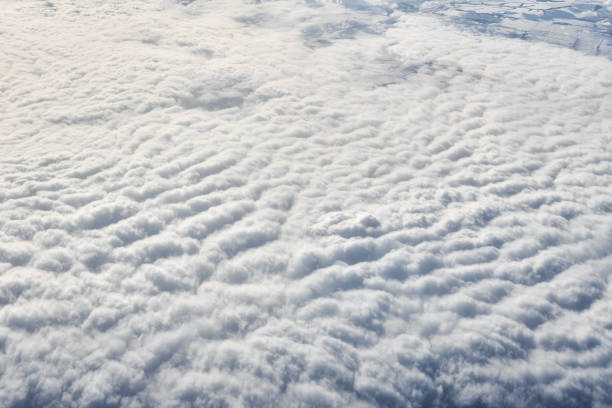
[286, 204]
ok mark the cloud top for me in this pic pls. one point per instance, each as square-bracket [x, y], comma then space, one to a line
[299, 204]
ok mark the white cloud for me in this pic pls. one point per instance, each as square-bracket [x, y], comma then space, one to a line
[303, 204]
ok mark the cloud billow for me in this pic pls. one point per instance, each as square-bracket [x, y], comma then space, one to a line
[284, 204]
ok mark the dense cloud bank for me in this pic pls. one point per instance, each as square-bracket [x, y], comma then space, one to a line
[218, 204]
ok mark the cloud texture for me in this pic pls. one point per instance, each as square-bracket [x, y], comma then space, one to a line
[219, 203]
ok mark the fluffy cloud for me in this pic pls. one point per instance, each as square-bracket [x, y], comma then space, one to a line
[300, 204]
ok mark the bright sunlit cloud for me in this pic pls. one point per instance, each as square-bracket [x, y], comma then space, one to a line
[226, 203]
